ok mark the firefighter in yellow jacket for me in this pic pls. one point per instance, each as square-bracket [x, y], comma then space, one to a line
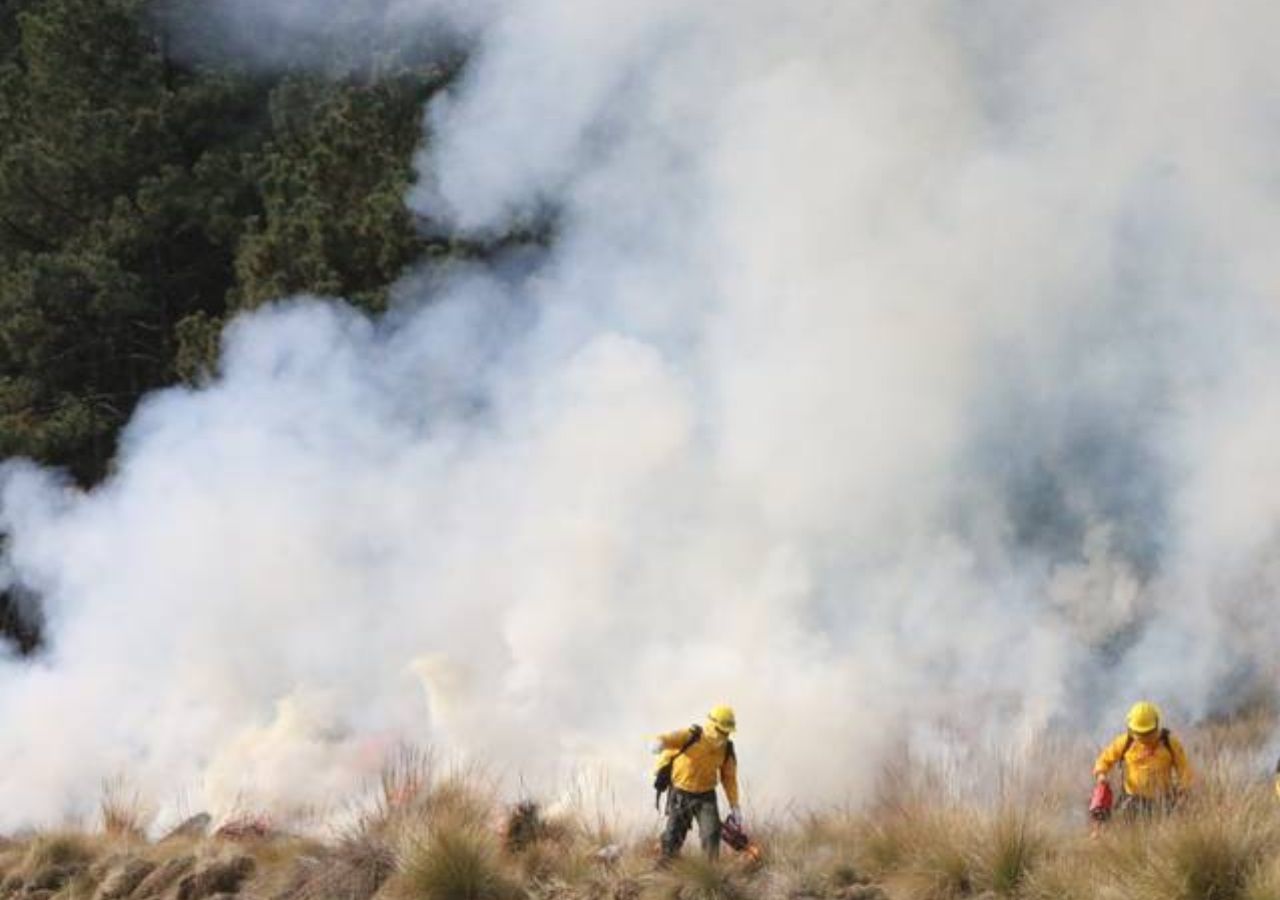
[698, 758]
[1154, 762]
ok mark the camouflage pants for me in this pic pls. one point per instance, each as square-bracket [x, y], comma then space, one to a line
[682, 809]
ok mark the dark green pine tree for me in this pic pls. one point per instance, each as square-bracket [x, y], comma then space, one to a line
[332, 181]
[124, 183]
[144, 199]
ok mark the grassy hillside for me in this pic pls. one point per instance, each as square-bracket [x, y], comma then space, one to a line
[450, 838]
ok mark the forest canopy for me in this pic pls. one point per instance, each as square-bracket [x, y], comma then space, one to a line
[145, 198]
[149, 193]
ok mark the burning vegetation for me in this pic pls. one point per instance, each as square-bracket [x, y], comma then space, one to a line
[434, 836]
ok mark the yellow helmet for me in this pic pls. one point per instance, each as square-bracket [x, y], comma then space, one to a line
[722, 717]
[1144, 717]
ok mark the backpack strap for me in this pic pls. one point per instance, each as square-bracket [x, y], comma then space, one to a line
[730, 753]
[1164, 740]
[663, 782]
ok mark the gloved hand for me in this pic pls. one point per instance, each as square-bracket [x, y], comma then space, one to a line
[735, 816]
[655, 746]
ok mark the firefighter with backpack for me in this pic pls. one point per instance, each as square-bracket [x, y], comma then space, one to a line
[1155, 766]
[691, 761]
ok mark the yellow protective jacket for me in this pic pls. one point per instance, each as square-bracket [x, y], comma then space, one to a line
[698, 768]
[1150, 770]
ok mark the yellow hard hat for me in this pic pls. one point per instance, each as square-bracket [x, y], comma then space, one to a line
[722, 717]
[1144, 717]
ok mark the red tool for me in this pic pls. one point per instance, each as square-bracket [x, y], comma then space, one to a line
[732, 834]
[1101, 802]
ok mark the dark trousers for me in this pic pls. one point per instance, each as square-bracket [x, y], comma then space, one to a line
[682, 809]
[1132, 807]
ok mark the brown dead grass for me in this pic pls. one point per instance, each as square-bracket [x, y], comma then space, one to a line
[436, 834]
[122, 810]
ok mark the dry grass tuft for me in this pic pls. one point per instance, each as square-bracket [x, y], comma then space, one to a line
[461, 800]
[551, 854]
[58, 850]
[1263, 882]
[1008, 849]
[11, 857]
[455, 863]
[339, 875]
[407, 776]
[697, 878]
[942, 852]
[524, 827]
[923, 853]
[122, 811]
[1212, 850]
[1067, 874]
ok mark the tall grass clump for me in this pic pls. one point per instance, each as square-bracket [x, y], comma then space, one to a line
[1008, 847]
[406, 777]
[1214, 849]
[455, 863]
[122, 811]
[1264, 882]
[418, 825]
[885, 841]
[698, 878]
[932, 853]
[945, 851]
[58, 850]
[549, 852]
[1062, 875]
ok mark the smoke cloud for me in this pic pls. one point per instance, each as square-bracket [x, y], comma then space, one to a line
[903, 374]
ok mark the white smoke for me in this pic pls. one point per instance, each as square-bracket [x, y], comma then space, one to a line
[901, 373]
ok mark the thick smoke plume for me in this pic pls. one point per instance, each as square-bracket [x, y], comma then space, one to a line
[903, 373]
